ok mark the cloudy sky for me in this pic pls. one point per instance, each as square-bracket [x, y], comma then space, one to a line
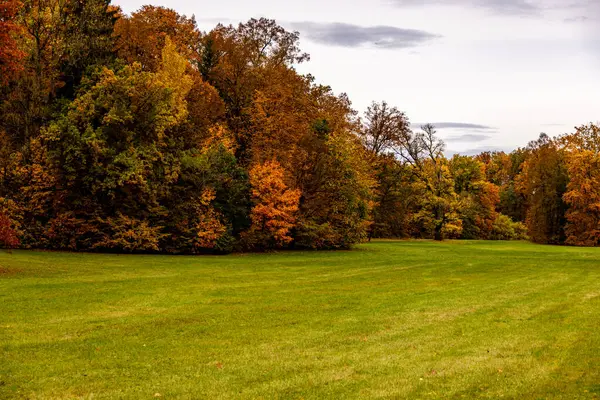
[490, 74]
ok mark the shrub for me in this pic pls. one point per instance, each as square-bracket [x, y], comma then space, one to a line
[505, 228]
[127, 234]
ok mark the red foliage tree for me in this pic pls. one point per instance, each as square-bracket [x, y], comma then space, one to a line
[10, 54]
[8, 236]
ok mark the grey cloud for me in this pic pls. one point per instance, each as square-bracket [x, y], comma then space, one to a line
[348, 35]
[457, 125]
[478, 150]
[581, 18]
[505, 7]
[509, 7]
[467, 138]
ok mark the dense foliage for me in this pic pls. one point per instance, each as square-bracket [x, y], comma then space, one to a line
[140, 133]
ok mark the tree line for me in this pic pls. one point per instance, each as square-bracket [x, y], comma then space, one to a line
[140, 133]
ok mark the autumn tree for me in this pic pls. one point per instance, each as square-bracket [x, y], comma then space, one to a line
[88, 41]
[275, 207]
[384, 129]
[337, 193]
[280, 116]
[479, 198]
[8, 237]
[424, 152]
[10, 54]
[583, 190]
[543, 182]
[156, 157]
[114, 152]
[237, 62]
[26, 107]
[394, 199]
[209, 205]
[513, 202]
[62, 41]
[503, 170]
[8, 226]
[330, 167]
[142, 36]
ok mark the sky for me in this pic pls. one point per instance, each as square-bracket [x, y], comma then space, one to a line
[489, 74]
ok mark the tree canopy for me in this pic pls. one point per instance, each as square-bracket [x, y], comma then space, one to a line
[141, 133]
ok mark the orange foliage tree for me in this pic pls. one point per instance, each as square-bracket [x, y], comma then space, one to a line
[241, 62]
[275, 206]
[583, 189]
[142, 36]
[543, 183]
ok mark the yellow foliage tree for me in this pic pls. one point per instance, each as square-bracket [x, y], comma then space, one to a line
[209, 227]
[173, 75]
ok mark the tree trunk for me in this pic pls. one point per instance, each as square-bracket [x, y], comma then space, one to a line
[438, 233]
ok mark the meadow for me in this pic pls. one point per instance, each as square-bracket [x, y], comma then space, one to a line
[389, 319]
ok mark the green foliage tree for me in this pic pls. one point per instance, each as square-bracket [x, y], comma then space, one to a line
[115, 153]
[395, 199]
[437, 215]
[382, 133]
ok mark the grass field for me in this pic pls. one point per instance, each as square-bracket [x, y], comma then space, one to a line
[414, 320]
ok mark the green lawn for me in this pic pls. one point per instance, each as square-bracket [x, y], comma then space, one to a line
[390, 319]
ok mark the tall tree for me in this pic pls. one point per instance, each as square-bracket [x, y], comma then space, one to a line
[424, 151]
[337, 191]
[385, 128]
[10, 54]
[479, 199]
[395, 200]
[115, 152]
[62, 40]
[141, 36]
[88, 41]
[544, 182]
[237, 60]
[26, 107]
[583, 189]
[503, 170]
